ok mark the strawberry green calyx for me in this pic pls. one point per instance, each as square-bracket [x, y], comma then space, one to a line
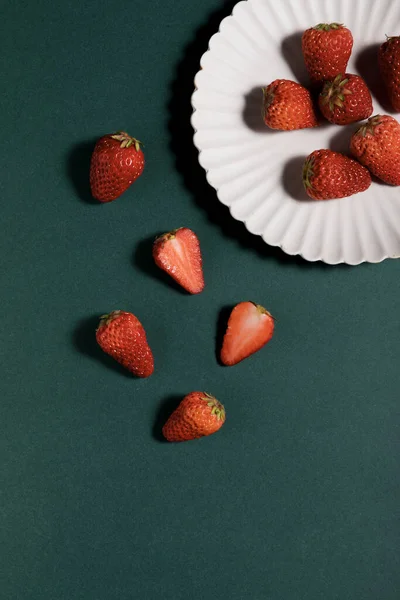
[328, 26]
[262, 310]
[166, 237]
[107, 319]
[126, 140]
[390, 38]
[369, 126]
[308, 172]
[217, 408]
[268, 96]
[334, 92]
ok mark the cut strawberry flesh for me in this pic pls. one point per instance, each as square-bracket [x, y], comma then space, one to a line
[178, 253]
[250, 327]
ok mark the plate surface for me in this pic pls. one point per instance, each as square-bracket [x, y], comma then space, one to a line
[256, 171]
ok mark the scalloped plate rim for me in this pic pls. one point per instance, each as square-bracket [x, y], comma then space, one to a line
[199, 149]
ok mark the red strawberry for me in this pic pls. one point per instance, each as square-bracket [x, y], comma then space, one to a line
[328, 175]
[346, 99]
[250, 327]
[117, 161]
[121, 335]
[377, 146]
[288, 105]
[326, 50]
[198, 415]
[178, 253]
[389, 65]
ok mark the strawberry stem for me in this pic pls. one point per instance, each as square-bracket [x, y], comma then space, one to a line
[126, 140]
[333, 92]
[328, 26]
[165, 237]
[106, 319]
[262, 310]
[308, 173]
[217, 408]
[268, 96]
[369, 126]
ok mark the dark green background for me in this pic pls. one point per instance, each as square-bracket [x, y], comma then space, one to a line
[297, 497]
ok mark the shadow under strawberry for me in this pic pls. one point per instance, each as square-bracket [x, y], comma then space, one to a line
[84, 341]
[367, 67]
[252, 112]
[142, 259]
[164, 410]
[292, 52]
[340, 141]
[186, 155]
[292, 179]
[222, 323]
[78, 169]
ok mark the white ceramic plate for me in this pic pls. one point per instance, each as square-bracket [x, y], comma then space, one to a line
[256, 171]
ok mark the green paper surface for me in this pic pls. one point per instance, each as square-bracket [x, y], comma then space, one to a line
[297, 496]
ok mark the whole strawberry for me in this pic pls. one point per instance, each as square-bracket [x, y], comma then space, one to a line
[198, 415]
[346, 99]
[326, 49]
[117, 161]
[178, 254]
[287, 106]
[121, 335]
[389, 65]
[328, 175]
[377, 146]
[249, 328]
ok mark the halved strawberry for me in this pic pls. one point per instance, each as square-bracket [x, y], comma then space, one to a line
[250, 327]
[178, 254]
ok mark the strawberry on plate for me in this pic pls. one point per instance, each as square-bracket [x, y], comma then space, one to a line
[117, 161]
[326, 49]
[389, 65]
[346, 99]
[178, 254]
[198, 415]
[250, 327]
[328, 174]
[288, 105]
[376, 145]
[121, 335]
